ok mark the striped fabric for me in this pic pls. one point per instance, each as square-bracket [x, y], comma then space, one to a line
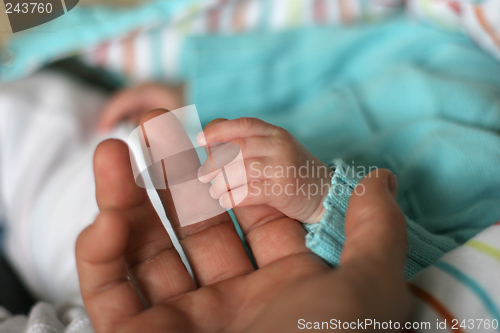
[480, 20]
[154, 53]
[160, 46]
[462, 287]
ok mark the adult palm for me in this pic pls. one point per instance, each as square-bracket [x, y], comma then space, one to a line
[133, 280]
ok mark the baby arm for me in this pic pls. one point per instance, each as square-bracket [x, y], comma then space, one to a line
[132, 103]
[278, 170]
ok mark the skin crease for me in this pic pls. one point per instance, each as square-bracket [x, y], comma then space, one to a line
[127, 242]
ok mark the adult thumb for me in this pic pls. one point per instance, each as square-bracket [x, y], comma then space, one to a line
[375, 227]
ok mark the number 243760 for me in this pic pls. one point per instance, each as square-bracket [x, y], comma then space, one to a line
[32, 7]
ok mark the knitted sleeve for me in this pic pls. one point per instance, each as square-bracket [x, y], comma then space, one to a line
[326, 238]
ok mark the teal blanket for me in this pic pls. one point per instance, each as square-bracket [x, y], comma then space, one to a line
[421, 102]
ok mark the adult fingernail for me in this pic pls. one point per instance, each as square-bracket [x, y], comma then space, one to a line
[392, 184]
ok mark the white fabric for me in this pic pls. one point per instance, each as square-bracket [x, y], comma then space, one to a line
[44, 318]
[47, 141]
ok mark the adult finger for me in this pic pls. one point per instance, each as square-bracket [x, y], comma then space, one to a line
[270, 234]
[107, 292]
[373, 258]
[374, 224]
[150, 256]
[212, 245]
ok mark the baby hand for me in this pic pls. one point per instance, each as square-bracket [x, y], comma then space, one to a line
[131, 104]
[277, 171]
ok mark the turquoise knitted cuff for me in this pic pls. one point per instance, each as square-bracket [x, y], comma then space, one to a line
[327, 237]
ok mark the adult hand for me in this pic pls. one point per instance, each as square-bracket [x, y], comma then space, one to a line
[132, 279]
